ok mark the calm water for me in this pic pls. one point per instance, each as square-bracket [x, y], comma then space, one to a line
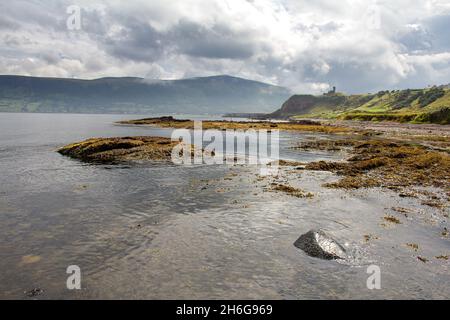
[165, 231]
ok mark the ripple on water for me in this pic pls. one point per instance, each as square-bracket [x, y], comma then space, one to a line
[154, 231]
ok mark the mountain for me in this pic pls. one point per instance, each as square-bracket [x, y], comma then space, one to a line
[214, 95]
[429, 105]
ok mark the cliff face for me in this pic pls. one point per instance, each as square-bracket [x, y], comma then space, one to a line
[307, 104]
[298, 104]
[429, 105]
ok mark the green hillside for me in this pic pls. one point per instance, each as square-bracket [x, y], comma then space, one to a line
[430, 105]
[214, 95]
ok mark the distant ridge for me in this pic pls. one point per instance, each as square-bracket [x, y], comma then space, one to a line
[213, 94]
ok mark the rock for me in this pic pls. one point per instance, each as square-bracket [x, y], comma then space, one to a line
[318, 244]
[127, 150]
[424, 260]
[34, 292]
[111, 150]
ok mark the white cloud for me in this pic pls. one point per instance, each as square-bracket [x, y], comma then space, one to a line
[357, 45]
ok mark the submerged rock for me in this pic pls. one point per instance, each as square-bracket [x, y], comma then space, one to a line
[318, 244]
[34, 292]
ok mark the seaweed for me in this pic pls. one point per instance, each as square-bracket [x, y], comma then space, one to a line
[391, 164]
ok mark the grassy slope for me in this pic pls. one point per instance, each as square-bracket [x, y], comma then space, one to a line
[215, 94]
[431, 105]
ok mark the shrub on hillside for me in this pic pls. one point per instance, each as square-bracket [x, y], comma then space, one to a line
[441, 116]
[430, 96]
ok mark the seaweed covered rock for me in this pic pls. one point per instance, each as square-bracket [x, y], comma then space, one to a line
[120, 149]
[300, 125]
[388, 163]
[318, 244]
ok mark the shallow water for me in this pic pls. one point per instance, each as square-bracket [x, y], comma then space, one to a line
[166, 231]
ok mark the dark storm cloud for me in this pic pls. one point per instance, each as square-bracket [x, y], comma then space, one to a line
[216, 42]
[8, 24]
[136, 41]
[139, 41]
[416, 38]
[439, 30]
[431, 35]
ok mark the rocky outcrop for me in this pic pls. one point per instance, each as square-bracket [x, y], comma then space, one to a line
[318, 244]
[292, 125]
[306, 104]
[121, 149]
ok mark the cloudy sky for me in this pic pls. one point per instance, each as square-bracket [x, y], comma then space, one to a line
[357, 45]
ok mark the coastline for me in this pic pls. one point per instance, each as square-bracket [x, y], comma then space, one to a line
[387, 156]
[123, 222]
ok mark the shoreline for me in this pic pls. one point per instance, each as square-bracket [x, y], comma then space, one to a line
[311, 125]
[222, 212]
[300, 125]
[376, 157]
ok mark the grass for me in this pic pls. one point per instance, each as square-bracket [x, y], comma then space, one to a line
[431, 105]
[441, 116]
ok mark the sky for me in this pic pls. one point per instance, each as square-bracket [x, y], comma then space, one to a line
[359, 46]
